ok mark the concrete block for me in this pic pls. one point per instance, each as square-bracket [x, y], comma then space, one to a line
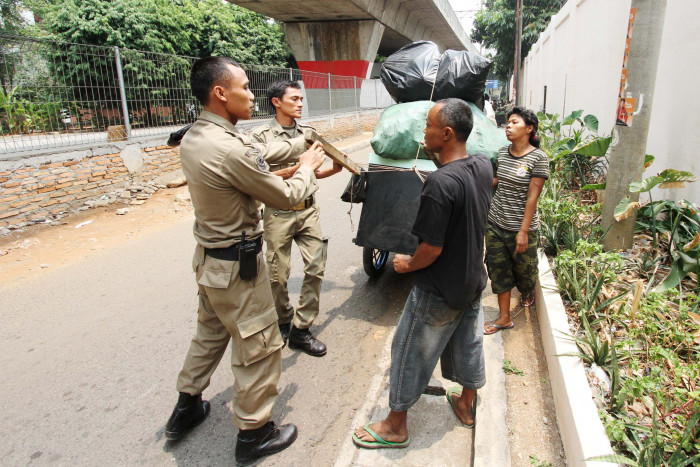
[132, 158]
[581, 430]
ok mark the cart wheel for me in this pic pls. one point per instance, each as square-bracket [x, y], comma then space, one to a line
[374, 261]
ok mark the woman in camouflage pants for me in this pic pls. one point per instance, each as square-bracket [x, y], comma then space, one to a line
[513, 224]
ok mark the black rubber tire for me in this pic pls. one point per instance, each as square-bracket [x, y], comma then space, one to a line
[374, 261]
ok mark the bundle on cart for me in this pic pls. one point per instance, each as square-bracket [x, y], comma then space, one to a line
[400, 130]
[409, 74]
[416, 76]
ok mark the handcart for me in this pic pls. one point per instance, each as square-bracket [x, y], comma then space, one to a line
[392, 198]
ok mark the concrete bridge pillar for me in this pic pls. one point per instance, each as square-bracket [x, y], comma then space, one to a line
[346, 48]
[337, 47]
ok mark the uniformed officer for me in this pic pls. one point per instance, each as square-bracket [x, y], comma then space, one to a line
[226, 174]
[300, 224]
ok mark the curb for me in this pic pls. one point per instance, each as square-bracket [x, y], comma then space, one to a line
[491, 444]
[355, 147]
[582, 432]
[348, 452]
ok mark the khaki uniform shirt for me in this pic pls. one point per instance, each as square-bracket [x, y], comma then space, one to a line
[273, 131]
[228, 173]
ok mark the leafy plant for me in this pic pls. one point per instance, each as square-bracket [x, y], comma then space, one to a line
[572, 143]
[18, 115]
[592, 347]
[511, 369]
[651, 446]
[534, 460]
[582, 273]
[649, 345]
[564, 219]
[683, 223]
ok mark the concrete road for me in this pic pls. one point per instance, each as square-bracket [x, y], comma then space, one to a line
[90, 353]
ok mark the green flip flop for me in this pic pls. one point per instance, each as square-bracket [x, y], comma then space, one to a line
[457, 391]
[378, 442]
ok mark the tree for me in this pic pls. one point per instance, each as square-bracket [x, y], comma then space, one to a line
[185, 27]
[10, 16]
[494, 27]
[11, 21]
[84, 64]
[241, 34]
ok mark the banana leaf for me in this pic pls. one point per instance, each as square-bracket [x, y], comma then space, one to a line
[596, 147]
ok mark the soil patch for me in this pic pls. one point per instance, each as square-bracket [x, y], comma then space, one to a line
[532, 425]
[43, 247]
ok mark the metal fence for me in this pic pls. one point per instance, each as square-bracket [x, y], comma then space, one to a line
[62, 95]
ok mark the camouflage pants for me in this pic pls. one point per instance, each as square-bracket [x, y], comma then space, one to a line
[506, 269]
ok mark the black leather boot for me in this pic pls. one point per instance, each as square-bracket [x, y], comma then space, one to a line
[303, 340]
[284, 330]
[189, 412]
[263, 441]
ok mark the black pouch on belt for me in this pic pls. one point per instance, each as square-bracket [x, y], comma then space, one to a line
[248, 259]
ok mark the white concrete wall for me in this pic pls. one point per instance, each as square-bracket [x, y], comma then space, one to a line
[579, 58]
[674, 129]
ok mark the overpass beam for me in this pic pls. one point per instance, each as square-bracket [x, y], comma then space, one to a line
[346, 48]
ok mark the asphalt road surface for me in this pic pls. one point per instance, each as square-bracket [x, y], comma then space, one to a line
[90, 353]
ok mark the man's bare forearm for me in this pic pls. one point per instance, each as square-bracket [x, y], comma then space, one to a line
[424, 256]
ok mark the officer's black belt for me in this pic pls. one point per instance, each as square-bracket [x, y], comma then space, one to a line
[231, 253]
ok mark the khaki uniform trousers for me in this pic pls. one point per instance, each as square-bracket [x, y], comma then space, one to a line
[231, 308]
[281, 227]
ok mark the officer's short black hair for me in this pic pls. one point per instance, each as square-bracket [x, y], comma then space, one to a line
[206, 72]
[279, 87]
[456, 114]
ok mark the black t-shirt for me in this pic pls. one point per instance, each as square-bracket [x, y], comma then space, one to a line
[454, 206]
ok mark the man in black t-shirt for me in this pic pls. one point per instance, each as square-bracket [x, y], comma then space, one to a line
[443, 317]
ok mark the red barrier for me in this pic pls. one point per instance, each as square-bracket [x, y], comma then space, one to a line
[312, 73]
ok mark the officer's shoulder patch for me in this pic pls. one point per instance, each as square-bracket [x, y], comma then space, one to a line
[261, 163]
[253, 152]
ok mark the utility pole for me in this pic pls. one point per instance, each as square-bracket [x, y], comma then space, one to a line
[638, 79]
[518, 43]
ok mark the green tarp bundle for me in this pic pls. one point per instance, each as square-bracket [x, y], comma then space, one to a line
[400, 129]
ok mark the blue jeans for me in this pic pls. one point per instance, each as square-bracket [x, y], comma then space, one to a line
[430, 330]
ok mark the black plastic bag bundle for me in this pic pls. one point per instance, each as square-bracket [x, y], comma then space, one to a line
[356, 189]
[176, 137]
[463, 74]
[409, 74]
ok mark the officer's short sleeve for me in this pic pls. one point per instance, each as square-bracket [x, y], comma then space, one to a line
[280, 152]
[247, 170]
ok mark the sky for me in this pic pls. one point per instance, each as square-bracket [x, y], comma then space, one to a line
[465, 11]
